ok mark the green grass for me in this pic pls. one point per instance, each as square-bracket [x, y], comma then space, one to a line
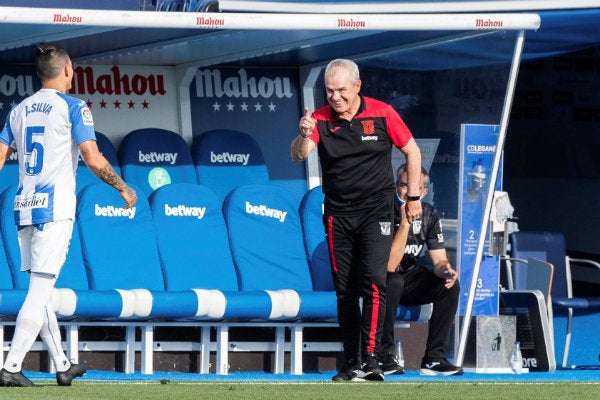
[307, 391]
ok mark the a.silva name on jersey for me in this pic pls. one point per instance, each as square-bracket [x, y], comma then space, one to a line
[265, 211]
[30, 200]
[44, 108]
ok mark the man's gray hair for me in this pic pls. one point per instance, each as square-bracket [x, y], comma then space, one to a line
[347, 64]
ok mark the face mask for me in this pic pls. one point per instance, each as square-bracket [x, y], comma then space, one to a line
[398, 200]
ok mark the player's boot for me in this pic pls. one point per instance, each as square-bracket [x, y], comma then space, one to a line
[369, 368]
[347, 372]
[390, 365]
[14, 379]
[440, 367]
[75, 371]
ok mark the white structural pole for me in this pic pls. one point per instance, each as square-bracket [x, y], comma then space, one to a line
[274, 21]
[464, 332]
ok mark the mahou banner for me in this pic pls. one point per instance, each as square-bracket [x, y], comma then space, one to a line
[121, 98]
[263, 102]
[124, 98]
[15, 85]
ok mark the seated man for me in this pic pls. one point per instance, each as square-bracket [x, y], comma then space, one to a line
[412, 284]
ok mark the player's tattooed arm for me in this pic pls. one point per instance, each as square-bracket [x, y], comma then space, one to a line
[107, 174]
[100, 166]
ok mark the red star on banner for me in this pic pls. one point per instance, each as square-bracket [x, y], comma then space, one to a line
[145, 104]
[89, 103]
[131, 104]
[102, 104]
[117, 104]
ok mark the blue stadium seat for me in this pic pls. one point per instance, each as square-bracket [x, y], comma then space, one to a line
[84, 175]
[225, 159]
[11, 301]
[311, 214]
[10, 298]
[73, 276]
[159, 288]
[10, 172]
[6, 281]
[118, 245]
[192, 238]
[266, 240]
[73, 273]
[9, 237]
[196, 258]
[150, 158]
[119, 251]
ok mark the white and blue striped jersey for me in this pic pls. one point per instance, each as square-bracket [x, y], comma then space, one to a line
[45, 130]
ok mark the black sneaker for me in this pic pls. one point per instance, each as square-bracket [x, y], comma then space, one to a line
[390, 365]
[439, 367]
[369, 368]
[14, 379]
[347, 372]
[75, 371]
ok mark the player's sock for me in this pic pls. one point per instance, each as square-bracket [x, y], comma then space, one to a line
[29, 320]
[50, 334]
[20, 345]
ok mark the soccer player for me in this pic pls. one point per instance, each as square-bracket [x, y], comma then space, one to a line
[48, 130]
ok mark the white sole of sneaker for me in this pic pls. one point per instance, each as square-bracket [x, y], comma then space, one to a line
[429, 372]
[395, 372]
[371, 377]
[357, 379]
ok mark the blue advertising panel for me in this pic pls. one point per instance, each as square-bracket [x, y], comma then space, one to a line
[262, 102]
[478, 146]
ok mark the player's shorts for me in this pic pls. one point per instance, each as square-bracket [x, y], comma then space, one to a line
[44, 247]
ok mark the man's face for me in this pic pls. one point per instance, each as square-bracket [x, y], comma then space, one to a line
[342, 93]
[402, 186]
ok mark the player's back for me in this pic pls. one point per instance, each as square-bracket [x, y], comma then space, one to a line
[45, 127]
